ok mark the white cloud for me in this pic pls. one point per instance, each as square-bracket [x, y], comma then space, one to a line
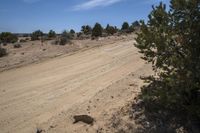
[94, 3]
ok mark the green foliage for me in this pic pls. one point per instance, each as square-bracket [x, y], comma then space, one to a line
[65, 38]
[86, 29]
[134, 26]
[36, 35]
[7, 37]
[79, 34]
[170, 41]
[125, 26]
[3, 52]
[97, 30]
[72, 31]
[110, 30]
[52, 34]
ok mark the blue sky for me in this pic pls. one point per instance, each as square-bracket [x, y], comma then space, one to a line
[29, 15]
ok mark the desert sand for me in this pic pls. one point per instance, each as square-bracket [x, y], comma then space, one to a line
[97, 81]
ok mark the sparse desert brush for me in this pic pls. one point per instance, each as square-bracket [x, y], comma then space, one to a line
[3, 52]
[17, 45]
[22, 40]
[36, 35]
[65, 38]
[79, 34]
[7, 37]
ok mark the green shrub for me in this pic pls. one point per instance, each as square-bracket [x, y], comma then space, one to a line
[125, 26]
[86, 29]
[65, 38]
[63, 41]
[22, 40]
[110, 30]
[79, 34]
[72, 31]
[36, 35]
[17, 45]
[51, 34]
[7, 37]
[3, 52]
[97, 30]
[170, 41]
[134, 26]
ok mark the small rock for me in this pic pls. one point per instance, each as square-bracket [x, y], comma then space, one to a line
[52, 126]
[131, 84]
[83, 118]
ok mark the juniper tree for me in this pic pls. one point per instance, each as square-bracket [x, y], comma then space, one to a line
[110, 30]
[36, 35]
[135, 24]
[72, 31]
[97, 30]
[52, 34]
[86, 29]
[125, 26]
[170, 41]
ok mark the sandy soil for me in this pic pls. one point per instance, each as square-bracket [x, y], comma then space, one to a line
[35, 51]
[97, 82]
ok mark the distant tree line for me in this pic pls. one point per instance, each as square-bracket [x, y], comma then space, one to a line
[7, 37]
[86, 30]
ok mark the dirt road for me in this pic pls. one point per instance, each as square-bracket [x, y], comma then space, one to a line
[37, 93]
